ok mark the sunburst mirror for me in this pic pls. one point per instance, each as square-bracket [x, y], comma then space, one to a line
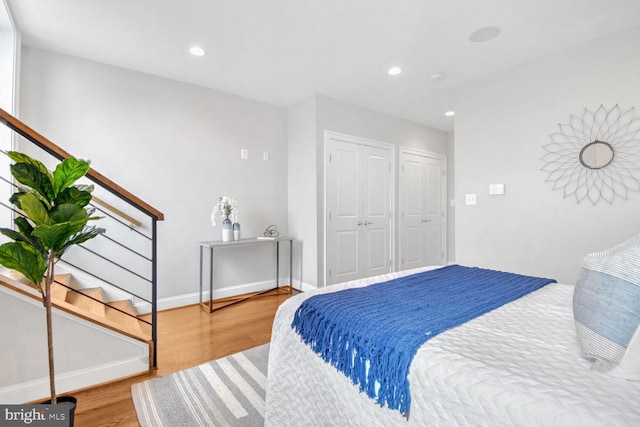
[596, 156]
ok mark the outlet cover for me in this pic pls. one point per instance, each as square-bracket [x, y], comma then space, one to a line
[470, 199]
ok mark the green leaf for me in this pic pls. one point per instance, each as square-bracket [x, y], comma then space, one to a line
[23, 225]
[66, 221]
[74, 196]
[56, 236]
[23, 158]
[87, 234]
[24, 234]
[25, 259]
[15, 197]
[33, 208]
[26, 230]
[29, 175]
[68, 213]
[68, 172]
[12, 234]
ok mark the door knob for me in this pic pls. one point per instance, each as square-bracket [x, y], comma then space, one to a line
[359, 222]
[367, 223]
[425, 220]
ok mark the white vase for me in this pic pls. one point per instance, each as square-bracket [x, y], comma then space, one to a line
[227, 230]
[236, 231]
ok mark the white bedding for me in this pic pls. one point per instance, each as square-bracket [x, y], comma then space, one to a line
[519, 365]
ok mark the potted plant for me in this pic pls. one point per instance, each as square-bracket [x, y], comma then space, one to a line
[54, 218]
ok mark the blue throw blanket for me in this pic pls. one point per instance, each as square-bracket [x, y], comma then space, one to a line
[372, 333]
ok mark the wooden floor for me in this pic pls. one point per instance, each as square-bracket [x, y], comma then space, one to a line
[187, 337]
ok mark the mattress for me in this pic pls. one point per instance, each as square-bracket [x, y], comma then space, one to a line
[517, 365]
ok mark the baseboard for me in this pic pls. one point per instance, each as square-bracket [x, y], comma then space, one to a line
[36, 390]
[194, 298]
[305, 287]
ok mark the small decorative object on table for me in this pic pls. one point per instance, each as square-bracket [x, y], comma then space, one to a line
[271, 233]
[227, 230]
[226, 207]
[236, 231]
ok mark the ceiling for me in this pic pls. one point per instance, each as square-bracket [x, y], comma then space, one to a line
[284, 51]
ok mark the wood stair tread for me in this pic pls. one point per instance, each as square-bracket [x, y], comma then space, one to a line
[59, 287]
[63, 278]
[127, 320]
[124, 305]
[86, 300]
[58, 292]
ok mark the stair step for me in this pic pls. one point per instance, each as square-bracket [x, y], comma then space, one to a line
[127, 323]
[58, 291]
[81, 300]
[124, 305]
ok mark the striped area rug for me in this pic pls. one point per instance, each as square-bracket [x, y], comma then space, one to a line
[225, 392]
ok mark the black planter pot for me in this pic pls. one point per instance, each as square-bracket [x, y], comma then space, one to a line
[68, 402]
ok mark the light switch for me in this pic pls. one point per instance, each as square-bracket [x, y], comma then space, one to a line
[265, 156]
[495, 189]
[470, 199]
[244, 154]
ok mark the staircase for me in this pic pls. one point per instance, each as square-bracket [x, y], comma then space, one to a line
[87, 303]
[93, 295]
[95, 342]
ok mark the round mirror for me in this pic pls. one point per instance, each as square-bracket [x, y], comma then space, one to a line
[596, 154]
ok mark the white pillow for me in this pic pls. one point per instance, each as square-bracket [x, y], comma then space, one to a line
[606, 308]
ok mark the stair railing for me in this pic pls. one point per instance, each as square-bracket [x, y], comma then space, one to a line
[131, 256]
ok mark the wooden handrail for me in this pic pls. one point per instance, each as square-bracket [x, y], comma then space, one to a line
[42, 142]
[132, 220]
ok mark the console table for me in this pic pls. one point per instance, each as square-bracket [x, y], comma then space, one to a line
[216, 245]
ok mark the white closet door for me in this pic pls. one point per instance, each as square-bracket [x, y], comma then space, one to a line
[344, 212]
[375, 183]
[422, 210]
[358, 185]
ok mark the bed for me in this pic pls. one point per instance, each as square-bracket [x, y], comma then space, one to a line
[519, 364]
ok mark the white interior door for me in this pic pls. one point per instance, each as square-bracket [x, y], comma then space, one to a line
[422, 209]
[375, 228]
[344, 212]
[358, 201]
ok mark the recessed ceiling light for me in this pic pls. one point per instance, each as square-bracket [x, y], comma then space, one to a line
[484, 34]
[450, 113]
[394, 71]
[197, 51]
[436, 77]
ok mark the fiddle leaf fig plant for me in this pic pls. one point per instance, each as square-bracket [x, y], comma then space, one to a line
[55, 216]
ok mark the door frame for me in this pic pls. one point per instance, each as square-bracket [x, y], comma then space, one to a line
[443, 183]
[331, 135]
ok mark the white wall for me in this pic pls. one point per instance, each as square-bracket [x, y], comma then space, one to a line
[301, 120]
[7, 66]
[323, 113]
[502, 122]
[174, 145]
[451, 190]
